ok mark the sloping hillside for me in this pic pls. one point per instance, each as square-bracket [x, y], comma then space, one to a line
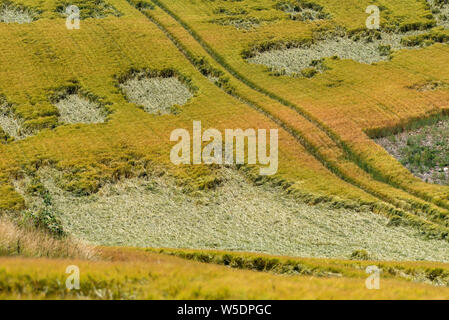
[87, 117]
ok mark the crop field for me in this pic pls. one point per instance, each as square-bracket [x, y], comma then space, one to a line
[88, 116]
[121, 273]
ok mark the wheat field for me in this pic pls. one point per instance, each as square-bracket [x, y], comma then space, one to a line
[86, 117]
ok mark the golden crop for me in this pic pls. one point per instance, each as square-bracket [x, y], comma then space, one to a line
[135, 274]
[326, 116]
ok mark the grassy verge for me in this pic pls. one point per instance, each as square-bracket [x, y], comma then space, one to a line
[29, 241]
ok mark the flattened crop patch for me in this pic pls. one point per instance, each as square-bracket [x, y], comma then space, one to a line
[237, 215]
[11, 13]
[303, 59]
[302, 10]
[157, 95]
[440, 11]
[241, 23]
[74, 108]
[10, 124]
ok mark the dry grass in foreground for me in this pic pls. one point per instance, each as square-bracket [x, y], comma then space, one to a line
[30, 242]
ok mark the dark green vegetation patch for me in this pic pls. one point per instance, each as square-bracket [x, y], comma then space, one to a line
[90, 8]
